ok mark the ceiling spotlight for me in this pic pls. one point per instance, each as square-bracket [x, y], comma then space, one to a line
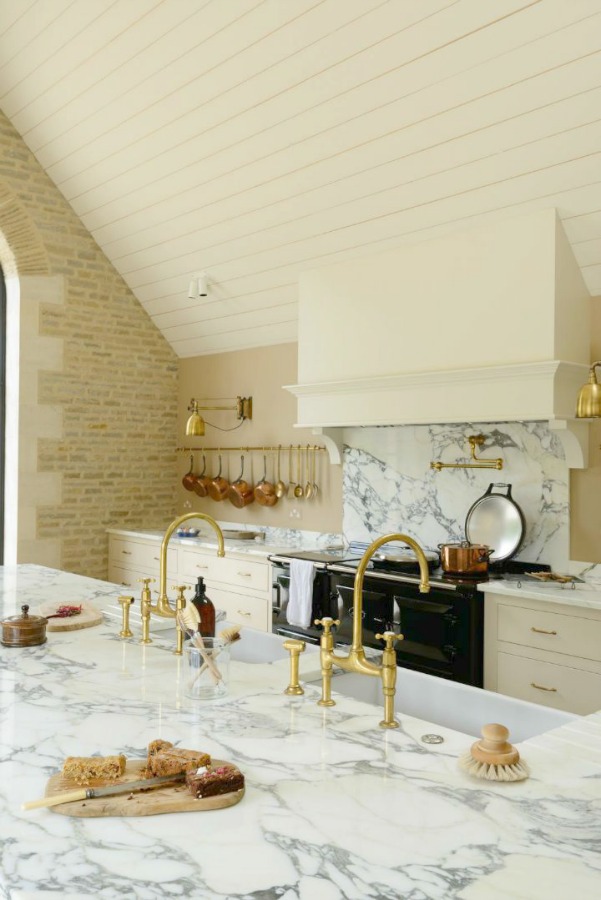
[198, 286]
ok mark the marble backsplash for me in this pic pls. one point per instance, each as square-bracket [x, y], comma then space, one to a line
[388, 484]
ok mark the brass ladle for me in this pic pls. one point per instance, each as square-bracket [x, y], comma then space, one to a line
[280, 487]
[309, 485]
[298, 490]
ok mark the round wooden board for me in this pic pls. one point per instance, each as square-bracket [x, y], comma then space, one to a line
[87, 618]
[172, 798]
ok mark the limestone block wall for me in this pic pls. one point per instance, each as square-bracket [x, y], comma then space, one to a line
[94, 383]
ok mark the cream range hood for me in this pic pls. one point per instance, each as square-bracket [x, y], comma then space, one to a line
[488, 325]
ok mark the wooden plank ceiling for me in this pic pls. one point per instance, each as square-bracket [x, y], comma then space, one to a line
[252, 139]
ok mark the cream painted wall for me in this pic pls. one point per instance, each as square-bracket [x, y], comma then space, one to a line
[259, 373]
[585, 484]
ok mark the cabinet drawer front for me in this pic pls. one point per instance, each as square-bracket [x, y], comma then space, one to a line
[194, 564]
[549, 684]
[242, 610]
[571, 635]
[145, 557]
[241, 573]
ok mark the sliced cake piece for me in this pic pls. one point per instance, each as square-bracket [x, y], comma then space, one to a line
[209, 781]
[84, 769]
[174, 761]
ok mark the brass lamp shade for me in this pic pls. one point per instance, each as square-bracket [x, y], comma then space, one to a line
[195, 424]
[588, 405]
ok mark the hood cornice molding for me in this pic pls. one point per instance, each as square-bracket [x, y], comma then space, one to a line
[532, 391]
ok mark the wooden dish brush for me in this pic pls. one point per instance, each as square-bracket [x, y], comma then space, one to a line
[493, 757]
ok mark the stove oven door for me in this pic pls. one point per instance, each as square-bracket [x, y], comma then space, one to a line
[428, 624]
[377, 613]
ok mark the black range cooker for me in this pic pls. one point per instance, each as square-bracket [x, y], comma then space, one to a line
[443, 629]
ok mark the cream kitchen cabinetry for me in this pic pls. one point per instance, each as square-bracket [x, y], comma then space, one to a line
[547, 653]
[236, 583]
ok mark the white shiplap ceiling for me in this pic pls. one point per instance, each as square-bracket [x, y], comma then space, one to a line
[252, 139]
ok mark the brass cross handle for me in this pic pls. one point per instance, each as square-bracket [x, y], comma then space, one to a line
[389, 637]
[327, 623]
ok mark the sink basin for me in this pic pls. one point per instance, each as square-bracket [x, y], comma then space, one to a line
[453, 705]
[261, 646]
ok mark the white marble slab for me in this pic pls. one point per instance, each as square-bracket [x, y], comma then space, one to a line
[335, 807]
[388, 485]
[585, 596]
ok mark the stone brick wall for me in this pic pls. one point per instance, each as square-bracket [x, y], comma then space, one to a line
[98, 396]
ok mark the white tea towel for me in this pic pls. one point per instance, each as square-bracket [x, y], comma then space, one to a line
[300, 597]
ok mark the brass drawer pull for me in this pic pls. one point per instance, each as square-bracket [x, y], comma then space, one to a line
[198, 566]
[245, 574]
[542, 631]
[242, 612]
[126, 552]
[539, 687]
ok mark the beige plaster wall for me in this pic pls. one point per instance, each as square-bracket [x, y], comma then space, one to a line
[259, 373]
[97, 398]
[585, 484]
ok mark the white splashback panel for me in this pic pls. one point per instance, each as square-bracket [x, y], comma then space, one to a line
[388, 484]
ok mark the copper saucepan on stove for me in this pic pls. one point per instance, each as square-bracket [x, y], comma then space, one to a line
[218, 486]
[241, 491]
[465, 558]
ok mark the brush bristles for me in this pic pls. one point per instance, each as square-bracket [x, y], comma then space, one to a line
[230, 634]
[517, 772]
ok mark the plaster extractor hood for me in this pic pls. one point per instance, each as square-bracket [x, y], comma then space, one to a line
[489, 325]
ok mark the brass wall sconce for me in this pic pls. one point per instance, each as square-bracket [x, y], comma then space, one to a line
[243, 407]
[588, 405]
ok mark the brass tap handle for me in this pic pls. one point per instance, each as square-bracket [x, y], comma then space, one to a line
[389, 637]
[146, 582]
[126, 631]
[180, 605]
[295, 649]
[327, 623]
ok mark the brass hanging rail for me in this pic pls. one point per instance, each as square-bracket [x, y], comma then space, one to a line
[475, 440]
[260, 449]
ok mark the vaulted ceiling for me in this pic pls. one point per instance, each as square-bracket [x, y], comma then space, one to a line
[252, 139]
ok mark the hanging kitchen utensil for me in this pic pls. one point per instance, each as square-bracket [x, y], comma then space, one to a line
[497, 521]
[189, 479]
[298, 490]
[219, 486]
[264, 492]
[280, 488]
[241, 491]
[309, 484]
[202, 481]
[290, 478]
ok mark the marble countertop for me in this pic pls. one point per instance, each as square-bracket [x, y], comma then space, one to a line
[273, 544]
[584, 595]
[335, 807]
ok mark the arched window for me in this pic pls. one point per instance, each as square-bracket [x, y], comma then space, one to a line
[2, 405]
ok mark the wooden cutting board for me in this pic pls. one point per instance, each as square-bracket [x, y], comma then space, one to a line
[88, 617]
[168, 799]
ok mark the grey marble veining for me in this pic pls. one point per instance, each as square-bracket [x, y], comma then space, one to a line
[335, 808]
[388, 484]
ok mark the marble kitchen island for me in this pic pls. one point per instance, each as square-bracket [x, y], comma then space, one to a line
[334, 807]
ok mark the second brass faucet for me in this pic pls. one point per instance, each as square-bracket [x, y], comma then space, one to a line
[356, 661]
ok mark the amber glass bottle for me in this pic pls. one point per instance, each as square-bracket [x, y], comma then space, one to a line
[206, 610]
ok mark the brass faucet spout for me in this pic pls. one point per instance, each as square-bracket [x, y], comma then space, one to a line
[163, 607]
[424, 583]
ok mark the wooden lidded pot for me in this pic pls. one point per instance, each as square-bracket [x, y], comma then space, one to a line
[24, 630]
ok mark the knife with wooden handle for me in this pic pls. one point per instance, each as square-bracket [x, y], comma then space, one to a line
[123, 787]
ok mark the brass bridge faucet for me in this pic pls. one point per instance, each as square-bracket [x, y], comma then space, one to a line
[356, 661]
[163, 607]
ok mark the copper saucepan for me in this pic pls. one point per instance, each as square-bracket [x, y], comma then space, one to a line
[218, 486]
[465, 558]
[265, 492]
[189, 479]
[241, 491]
[202, 481]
